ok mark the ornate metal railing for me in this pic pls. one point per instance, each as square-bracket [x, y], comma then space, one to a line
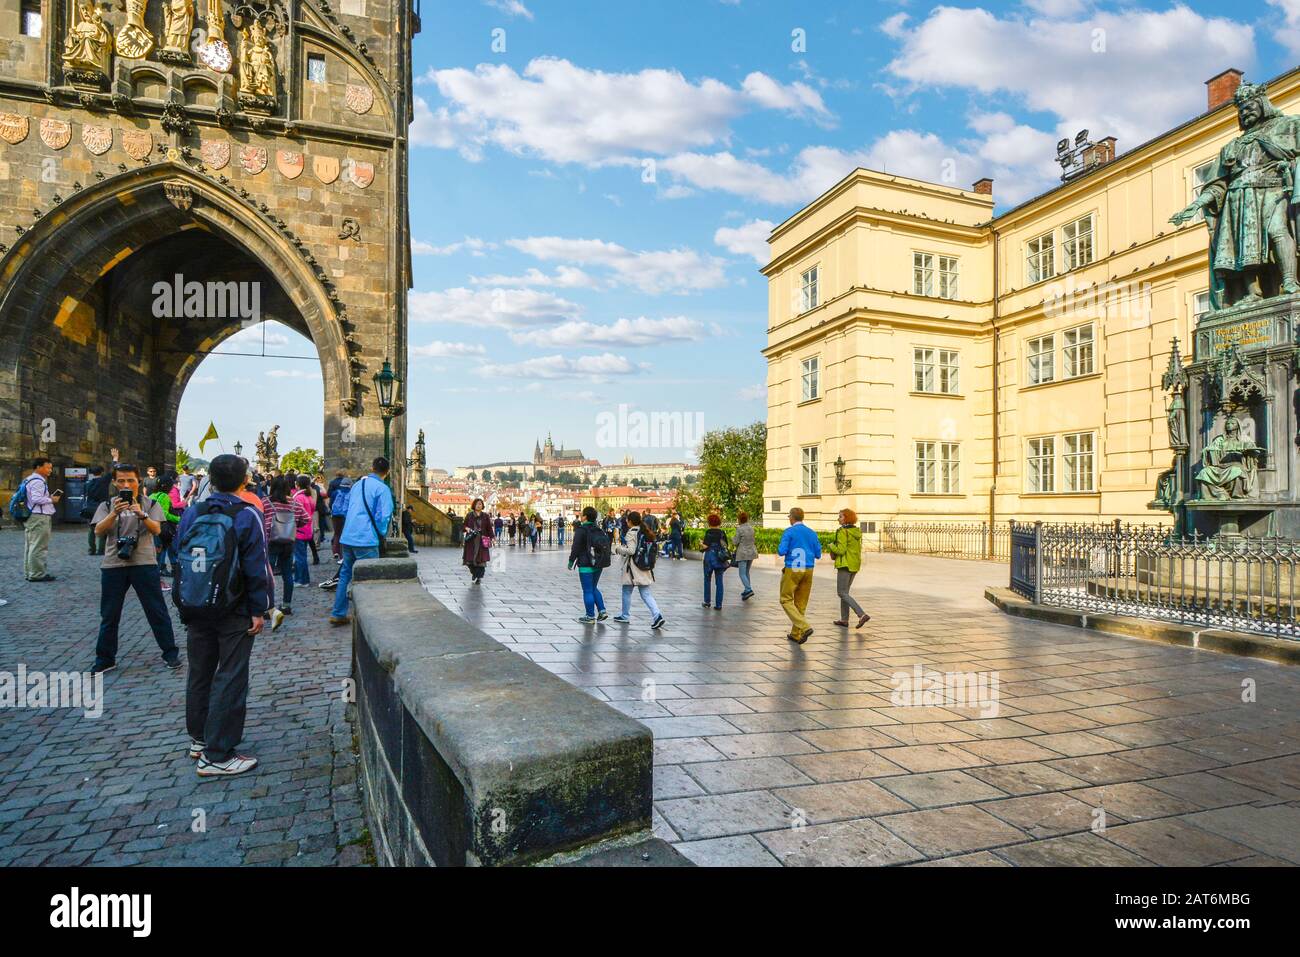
[977, 541]
[1026, 555]
[1248, 585]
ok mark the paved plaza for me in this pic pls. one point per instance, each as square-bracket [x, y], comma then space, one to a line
[1104, 750]
[766, 753]
[120, 789]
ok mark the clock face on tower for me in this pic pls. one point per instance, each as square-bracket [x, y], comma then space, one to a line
[215, 55]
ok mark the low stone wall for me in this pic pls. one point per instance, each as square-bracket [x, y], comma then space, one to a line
[473, 755]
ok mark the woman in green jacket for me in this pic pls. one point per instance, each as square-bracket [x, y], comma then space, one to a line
[846, 547]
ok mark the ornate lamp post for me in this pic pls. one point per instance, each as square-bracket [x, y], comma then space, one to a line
[386, 383]
[239, 450]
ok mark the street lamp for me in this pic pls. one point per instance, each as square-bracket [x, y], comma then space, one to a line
[385, 389]
[239, 450]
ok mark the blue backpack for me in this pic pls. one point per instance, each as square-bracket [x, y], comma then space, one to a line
[339, 501]
[18, 509]
[210, 581]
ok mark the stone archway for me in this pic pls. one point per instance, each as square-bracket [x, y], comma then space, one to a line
[82, 350]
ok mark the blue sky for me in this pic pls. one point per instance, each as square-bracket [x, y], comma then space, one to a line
[592, 182]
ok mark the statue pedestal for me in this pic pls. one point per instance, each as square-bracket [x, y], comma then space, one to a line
[1244, 370]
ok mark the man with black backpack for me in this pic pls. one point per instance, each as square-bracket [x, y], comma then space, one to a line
[223, 592]
[590, 553]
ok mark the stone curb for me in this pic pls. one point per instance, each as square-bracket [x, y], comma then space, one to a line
[1277, 650]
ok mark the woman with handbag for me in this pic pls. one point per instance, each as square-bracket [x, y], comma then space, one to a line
[717, 558]
[746, 552]
[478, 541]
[846, 547]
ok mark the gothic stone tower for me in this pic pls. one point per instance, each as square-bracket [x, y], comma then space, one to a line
[240, 145]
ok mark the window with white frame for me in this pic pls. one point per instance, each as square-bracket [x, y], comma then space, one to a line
[1200, 176]
[1076, 243]
[938, 468]
[935, 370]
[1078, 461]
[811, 379]
[947, 277]
[31, 22]
[1077, 351]
[1041, 357]
[927, 464]
[808, 470]
[923, 274]
[1200, 305]
[1041, 463]
[808, 289]
[1040, 258]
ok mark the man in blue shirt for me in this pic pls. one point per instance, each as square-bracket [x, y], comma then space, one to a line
[801, 548]
[216, 690]
[370, 508]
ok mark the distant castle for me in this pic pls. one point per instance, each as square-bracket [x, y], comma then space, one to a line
[548, 454]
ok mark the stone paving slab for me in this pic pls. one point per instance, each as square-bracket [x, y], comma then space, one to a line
[120, 789]
[1104, 750]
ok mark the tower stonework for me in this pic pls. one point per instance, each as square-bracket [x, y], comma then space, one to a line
[268, 153]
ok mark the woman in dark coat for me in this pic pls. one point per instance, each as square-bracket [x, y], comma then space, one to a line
[478, 540]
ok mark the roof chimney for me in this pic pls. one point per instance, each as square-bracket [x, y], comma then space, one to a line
[1220, 89]
[1099, 153]
[984, 186]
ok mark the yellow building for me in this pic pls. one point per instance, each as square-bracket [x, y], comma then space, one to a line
[928, 360]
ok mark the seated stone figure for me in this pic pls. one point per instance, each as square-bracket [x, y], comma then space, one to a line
[1228, 465]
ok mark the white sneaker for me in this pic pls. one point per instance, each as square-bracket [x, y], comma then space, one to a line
[196, 748]
[235, 764]
[277, 618]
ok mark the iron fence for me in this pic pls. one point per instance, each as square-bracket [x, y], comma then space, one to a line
[1248, 585]
[977, 541]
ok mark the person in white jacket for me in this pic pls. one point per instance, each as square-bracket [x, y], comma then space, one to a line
[634, 576]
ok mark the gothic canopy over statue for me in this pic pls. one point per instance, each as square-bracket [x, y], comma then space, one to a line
[1249, 204]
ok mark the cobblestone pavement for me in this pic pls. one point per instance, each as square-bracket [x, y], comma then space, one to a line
[119, 789]
[1104, 751]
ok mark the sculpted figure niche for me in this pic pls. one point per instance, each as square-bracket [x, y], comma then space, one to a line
[1249, 205]
[178, 24]
[256, 68]
[88, 47]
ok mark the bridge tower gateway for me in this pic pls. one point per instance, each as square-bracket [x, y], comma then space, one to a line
[236, 144]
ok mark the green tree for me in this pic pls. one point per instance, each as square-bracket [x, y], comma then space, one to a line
[690, 504]
[182, 457]
[733, 467]
[603, 507]
[674, 482]
[302, 461]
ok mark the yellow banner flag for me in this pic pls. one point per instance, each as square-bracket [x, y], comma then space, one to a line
[208, 436]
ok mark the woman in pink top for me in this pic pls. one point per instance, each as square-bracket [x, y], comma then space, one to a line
[304, 497]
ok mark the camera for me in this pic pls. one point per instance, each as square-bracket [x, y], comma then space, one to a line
[125, 546]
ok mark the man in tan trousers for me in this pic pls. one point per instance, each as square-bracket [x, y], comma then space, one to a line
[801, 548]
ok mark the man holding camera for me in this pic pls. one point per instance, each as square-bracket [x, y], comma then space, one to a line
[130, 520]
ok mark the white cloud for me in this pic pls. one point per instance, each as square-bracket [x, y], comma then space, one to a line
[593, 368]
[204, 380]
[751, 392]
[495, 307]
[470, 244]
[251, 337]
[747, 240]
[513, 8]
[438, 349]
[628, 333]
[1289, 35]
[651, 271]
[569, 114]
[292, 374]
[564, 277]
[1130, 74]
